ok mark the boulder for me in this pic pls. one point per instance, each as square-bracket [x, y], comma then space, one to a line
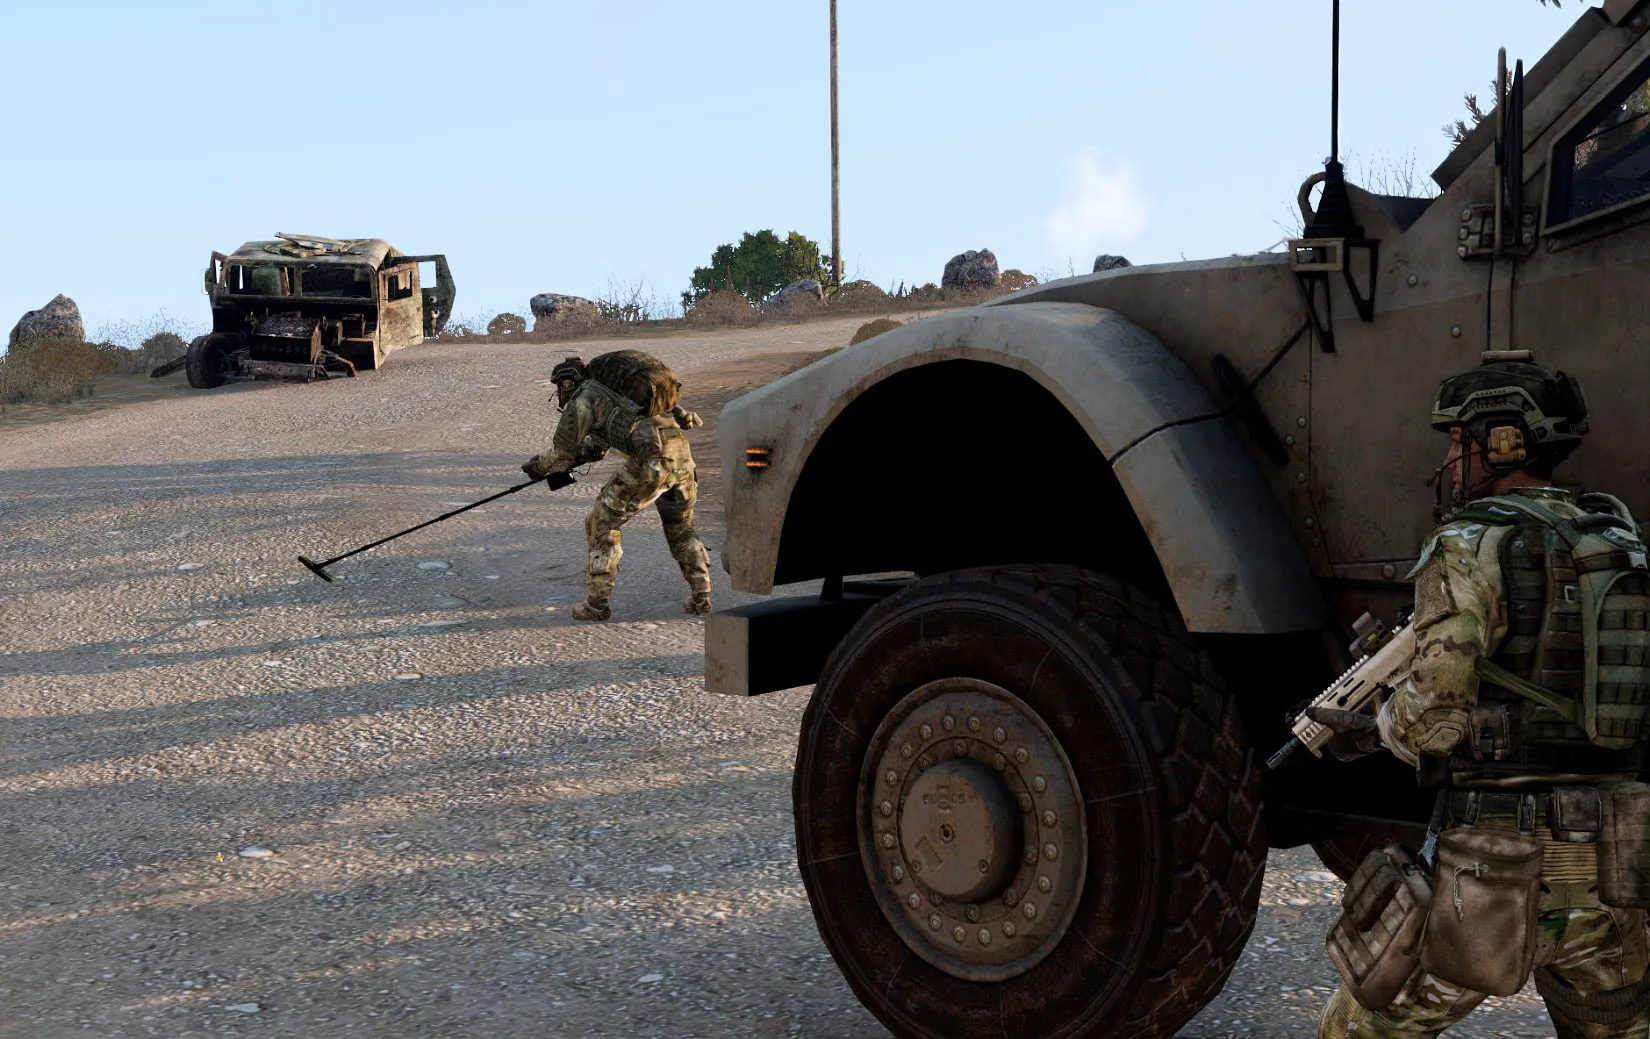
[59, 319]
[796, 290]
[974, 269]
[1108, 262]
[552, 310]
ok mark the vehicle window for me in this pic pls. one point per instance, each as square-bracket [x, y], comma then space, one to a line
[259, 279]
[1605, 161]
[397, 285]
[331, 279]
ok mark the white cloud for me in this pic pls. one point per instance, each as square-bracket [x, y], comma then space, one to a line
[1104, 207]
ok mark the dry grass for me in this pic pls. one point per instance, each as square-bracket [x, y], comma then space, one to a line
[723, 309]
[53, 371]
[873, 328]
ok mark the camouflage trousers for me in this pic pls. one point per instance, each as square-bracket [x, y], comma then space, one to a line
[667, 483]
[1591, 947]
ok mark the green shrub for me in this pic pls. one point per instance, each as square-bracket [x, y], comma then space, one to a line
[860, 295]
[722, 310]
[1013, 280]
[507, 325]
[162, 347]
[54, 371]
[760, 264]
[873, 328]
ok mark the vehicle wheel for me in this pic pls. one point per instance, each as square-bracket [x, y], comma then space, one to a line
[204, 363]
[1026, 807]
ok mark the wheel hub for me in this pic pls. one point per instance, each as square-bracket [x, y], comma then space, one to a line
[971, 829]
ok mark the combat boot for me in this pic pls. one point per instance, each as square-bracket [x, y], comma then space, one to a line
[697, 603]
[592, 610]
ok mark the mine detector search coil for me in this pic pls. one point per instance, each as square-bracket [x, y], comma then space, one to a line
[1384, 659]
[556, 482]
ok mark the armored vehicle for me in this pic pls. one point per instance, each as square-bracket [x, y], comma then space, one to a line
[300, 307]
[1131, 519]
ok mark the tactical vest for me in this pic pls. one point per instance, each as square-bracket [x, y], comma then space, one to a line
[1570, 683]
[620, 422]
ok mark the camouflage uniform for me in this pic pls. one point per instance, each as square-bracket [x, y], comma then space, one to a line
[658, 471]
[1461, 614]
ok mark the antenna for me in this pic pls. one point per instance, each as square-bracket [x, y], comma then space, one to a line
[1333, 218]
[1335, 84]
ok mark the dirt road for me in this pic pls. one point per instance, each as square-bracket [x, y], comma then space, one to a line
[421, 801]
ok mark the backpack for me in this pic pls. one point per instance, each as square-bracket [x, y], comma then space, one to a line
[639, 377]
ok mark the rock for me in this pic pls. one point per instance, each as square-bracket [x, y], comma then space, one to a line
[244, 1008]
[552, 311]
[649, 979]
[1108, 262]
[255, 851]
[974, 269]
[661, 869]
[186, 567]
[434, 564]
[59, 319]
[800, 291]
[409, 677]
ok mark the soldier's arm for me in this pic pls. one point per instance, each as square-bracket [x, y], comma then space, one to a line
[1457, 598]
[590, 449]
[571, 433]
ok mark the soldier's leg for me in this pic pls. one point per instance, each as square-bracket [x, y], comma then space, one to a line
[676, 513]
[1597, 963]
[628, 492]
[1424, 1008]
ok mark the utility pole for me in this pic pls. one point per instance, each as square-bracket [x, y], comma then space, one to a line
[836, 169]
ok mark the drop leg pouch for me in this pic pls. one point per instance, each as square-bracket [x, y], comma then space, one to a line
[1624, 847]
[1376, 941]
[1481, 928]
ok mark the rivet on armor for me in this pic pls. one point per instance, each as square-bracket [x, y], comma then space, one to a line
[985, 866]
[1039, 784]
[1030, 910]
[906, 750]
[973, 914]
[1022, 755]
[1010, 897]
[999, 734]
[1008, 928]
[1388, 570]
[886, 808]
[1455, 331]
[916, 865]
[1045, 885]
[1300, 477]
[892, 777]
[1289, 440]
[1301, 422]
[914, 900]
[1413, 280]
[898, 872]
[1049, 818]
[1051, 852]
[985, 936]
[959, 934]
[974, 724]
[959, 747]
[934, 921]
[888, 841]
[1025, 802]
[949, 723]
[999, 762]
[1031, 855]
[926, 731]
[1311, 522]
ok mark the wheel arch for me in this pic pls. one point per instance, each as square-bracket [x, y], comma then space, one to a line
[1054, 432]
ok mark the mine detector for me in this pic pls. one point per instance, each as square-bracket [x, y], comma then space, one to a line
[1140, 512]
[299, 307]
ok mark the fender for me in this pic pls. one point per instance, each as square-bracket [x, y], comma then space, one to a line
[1225, 548]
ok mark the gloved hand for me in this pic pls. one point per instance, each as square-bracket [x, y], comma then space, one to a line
[534, 468]
[1356, 735]
[687, 419]
[556, 481]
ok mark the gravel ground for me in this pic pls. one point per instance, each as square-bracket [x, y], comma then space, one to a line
[239, 801]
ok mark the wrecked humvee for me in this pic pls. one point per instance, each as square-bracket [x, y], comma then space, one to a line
[301, 307]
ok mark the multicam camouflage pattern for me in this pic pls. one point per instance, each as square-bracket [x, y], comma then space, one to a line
[1589, 947]
[658, 471]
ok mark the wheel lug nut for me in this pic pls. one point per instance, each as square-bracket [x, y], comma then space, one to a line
[959, 748]
[1045, 885]
[887, 809]
[1051, 852]
[973, 914]
[1049, 818]
[948, 722]
[974, 724]
[1010, 897]
[1031, 855]
[999, 734]
[888, 841]
[985, 867]
[959, 934]
[1030, 910]
[906, 750]
[1025, 802]
[1008, 928]
[924, 762]
[898, 872]
[985, 936]
[934, 921]
[892, 777]
[1039, 784]
[926, 732]
[1022, 755]
[999, 762]
[914, 900]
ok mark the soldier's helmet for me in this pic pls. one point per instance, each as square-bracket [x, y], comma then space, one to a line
[1518, 411]
[573, 370]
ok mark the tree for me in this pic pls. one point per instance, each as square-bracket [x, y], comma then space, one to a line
[761, 263]
[1458, 130]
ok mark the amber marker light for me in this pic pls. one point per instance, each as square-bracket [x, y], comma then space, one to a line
[757, 457]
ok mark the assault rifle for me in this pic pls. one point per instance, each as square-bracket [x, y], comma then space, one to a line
[1383, 662]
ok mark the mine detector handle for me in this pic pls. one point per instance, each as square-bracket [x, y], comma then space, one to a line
[1384, 660]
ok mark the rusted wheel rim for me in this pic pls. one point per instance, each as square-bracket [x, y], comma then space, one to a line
[971, 829]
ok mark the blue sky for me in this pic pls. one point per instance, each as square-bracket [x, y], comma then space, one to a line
[570, 147]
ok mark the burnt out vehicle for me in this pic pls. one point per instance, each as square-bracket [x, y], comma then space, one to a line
[1030, 794]
[304, 308]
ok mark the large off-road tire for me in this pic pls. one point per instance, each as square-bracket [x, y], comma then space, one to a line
[204, 363]
[1026, 808]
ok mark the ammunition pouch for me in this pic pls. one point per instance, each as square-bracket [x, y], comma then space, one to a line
[1624, 847]
[1376, 941]
[1481, 929]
